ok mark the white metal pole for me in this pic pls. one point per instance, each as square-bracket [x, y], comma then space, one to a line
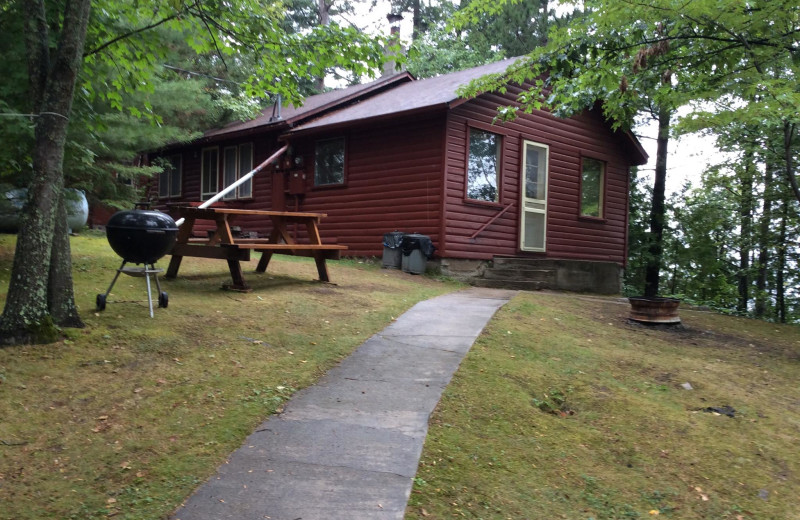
[241, 180]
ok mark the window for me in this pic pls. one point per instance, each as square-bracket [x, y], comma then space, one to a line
[237, 161]
[592, 180]
[329, 162]
[169, 180]
[209, 169]
[483, 166]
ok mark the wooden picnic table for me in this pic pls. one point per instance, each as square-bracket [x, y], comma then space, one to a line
[223, 244]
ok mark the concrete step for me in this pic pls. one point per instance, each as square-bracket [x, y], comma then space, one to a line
[515, 273]
[521, 285]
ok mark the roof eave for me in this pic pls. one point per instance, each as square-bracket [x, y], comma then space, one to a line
[640, 156]
[301, 132]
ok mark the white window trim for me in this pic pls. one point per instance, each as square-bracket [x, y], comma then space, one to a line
[169, 175]
[207, 195]
[225, 183]
[238, 174]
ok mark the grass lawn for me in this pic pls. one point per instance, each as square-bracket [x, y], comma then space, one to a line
[563, 409]
[127, 416]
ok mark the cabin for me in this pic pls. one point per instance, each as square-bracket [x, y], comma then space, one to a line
[540, 202]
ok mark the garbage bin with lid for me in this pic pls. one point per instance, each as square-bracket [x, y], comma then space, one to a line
[417, 249]
[392, 256]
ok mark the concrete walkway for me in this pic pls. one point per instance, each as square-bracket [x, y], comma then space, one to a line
[348, 447]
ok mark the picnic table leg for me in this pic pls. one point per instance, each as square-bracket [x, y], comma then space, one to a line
[235, 268]
[322, 267]
[266, 256]
[183, 238]
[174, 265]
[237, 276]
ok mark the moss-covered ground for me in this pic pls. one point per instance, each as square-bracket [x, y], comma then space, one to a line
[564, 409]
[124, 418]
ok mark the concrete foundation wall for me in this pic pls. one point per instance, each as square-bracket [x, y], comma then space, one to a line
[531, 273]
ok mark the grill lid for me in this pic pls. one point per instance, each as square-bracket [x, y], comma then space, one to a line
[141, 236]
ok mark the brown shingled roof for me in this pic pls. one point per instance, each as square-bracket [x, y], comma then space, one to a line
[312, 105]
[439, 91]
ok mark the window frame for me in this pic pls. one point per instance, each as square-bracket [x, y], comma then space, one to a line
[169, 177]
[236, 194]
[345, 157]
[500, 146]
[601, 202]
[240, 174]
[205, 195]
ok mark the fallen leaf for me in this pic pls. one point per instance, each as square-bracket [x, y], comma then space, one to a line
[423, 512]
[654, 512]
[111, 501]
[103, 426]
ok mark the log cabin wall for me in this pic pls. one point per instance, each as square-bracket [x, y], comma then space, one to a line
[568, 235]
[264, 145]
[393, 179]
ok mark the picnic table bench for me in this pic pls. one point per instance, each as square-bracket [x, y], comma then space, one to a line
[224, 245]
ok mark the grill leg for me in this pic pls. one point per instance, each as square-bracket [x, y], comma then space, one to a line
[149, 297]
[115, 278]
[155, 275]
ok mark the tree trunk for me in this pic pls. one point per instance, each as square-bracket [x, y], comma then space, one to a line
[60, 296]
[788, 138]
[544, 22]
[26, 317]
[780, 289]
[764, 245]
[417, 20]
[746, 228]
[657, 210]
[323, 8]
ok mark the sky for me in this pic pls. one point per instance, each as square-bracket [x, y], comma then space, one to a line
[688, 157]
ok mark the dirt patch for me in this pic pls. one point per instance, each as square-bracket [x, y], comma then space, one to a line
[697, 328]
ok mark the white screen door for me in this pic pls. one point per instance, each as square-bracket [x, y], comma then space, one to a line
[534, 196]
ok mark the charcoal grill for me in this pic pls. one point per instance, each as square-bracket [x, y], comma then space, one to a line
[140, 236]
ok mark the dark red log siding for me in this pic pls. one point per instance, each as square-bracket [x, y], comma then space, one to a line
[393, 178]
[398, 171]
[568, 236]
[393, 182]
[263, 147]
